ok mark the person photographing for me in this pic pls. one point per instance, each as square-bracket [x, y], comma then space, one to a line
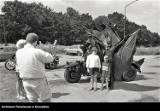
[30, 61]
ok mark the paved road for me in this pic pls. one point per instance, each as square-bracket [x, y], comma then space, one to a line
[145, 88]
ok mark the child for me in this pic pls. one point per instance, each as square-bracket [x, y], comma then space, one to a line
[105, 71]
[19, 85]
[93, 67]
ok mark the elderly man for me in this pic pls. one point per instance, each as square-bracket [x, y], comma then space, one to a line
[32, 71]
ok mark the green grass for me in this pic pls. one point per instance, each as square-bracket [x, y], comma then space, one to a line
[148, 51]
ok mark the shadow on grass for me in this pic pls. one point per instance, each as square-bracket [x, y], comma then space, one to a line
[58, 94]
[2, 60]
[146, 98]
[156, 66]
[149, 73]
[141, 77]
[134, 87]
[58, 82]
[157, 57]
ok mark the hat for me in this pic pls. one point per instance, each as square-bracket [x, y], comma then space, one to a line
[20, 43]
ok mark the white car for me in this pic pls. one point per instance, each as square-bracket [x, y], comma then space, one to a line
[74, 49]
[7, 52]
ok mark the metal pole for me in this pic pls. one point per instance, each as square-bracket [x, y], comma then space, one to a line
[125, 16]
[124, 22]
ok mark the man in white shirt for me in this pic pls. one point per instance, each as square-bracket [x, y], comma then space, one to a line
[31, 63]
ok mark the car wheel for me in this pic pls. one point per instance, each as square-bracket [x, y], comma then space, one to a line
[78, 53]
[129, 75]
[10, 64]
[72, 76]
[52, 65]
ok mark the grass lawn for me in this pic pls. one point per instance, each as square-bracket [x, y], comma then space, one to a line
[8, 86]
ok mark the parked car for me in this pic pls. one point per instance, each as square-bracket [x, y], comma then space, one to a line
[7, 52]
[74, 49]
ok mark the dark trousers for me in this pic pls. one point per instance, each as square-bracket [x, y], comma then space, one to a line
[111, 82]
[111, 78]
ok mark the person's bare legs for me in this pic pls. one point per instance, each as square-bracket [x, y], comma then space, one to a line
[107, 80]
[20, 93]
[102, 82]
[95, 82]
[17, 88]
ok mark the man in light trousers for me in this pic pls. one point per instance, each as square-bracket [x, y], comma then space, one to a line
[31, 63]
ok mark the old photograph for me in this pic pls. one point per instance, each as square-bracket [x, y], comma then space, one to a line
[81, 51]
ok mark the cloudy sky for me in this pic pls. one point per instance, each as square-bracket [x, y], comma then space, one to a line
[142, 12]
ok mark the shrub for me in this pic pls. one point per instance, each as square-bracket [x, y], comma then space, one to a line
[148, 51]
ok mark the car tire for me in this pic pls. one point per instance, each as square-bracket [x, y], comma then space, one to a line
[52, 65]
[129, 75]
[72, 76]
[10, 64]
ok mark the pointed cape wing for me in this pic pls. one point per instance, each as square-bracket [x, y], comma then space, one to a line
[105, 35]
[127, 51]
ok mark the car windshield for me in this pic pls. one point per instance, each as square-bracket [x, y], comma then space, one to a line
[76, 46]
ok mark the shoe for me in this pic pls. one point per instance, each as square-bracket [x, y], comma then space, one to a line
[91, 88]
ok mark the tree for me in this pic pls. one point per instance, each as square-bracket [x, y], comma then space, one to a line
[68, 28]
[145, 37]
[22, 18]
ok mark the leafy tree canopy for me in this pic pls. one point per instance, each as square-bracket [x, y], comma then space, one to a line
[20, 18]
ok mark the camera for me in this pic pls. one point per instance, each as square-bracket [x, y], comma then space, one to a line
[38, 42]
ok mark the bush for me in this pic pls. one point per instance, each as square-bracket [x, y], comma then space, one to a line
[148, 51]
[59, 49]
